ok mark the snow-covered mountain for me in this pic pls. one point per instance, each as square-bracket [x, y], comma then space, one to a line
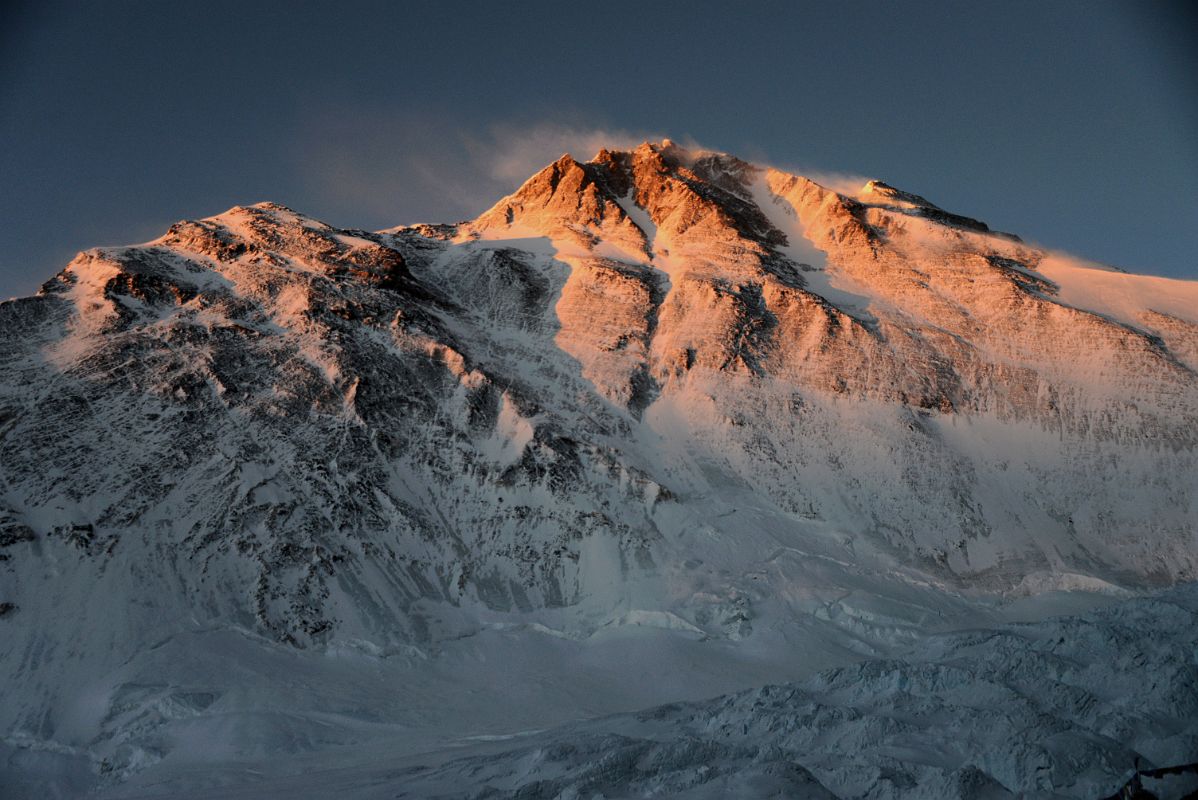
[662, 403]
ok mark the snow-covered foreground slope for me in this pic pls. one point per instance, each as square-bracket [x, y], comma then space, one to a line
[657, 426]
[1062, 708]
[1066, 707]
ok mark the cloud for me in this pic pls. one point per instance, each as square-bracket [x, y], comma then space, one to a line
[511, 153]
[381, 169]
[847, 183]
[843, 182]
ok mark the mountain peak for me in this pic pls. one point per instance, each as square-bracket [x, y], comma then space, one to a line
[654, 314]
[884, 191]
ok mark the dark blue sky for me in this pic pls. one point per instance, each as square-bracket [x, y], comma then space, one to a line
[1074, 124]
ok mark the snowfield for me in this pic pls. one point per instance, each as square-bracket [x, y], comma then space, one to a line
[1059, 708]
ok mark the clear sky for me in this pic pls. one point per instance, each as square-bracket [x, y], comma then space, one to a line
[1073, 124]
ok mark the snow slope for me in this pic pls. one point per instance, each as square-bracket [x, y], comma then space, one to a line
[1053, 709]
[658, 426]
[1064, 707]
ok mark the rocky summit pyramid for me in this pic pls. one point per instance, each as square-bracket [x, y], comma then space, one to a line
[662, 389]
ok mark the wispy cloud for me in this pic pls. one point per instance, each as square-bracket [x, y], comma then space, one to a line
[510, 152]
[384, 168]
[843, 182]
[412, 167]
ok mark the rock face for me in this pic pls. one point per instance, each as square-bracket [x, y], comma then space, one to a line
[313, 430]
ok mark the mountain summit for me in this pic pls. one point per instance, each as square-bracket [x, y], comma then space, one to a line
[661, 388]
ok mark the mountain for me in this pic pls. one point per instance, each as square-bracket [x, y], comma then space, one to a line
[664, 402]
